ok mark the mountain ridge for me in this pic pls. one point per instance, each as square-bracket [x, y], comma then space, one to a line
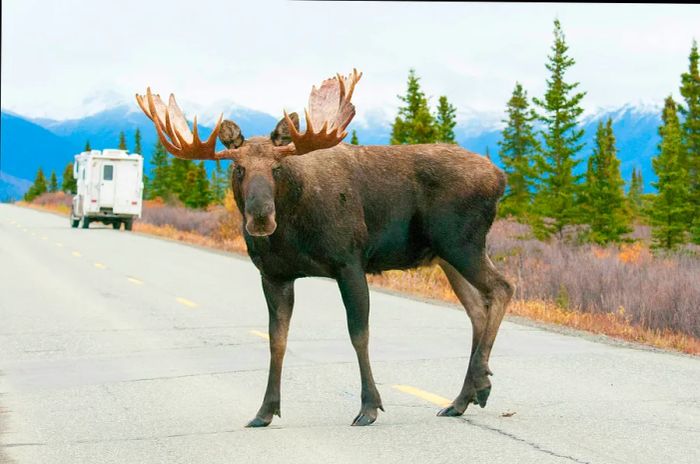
[55, 142]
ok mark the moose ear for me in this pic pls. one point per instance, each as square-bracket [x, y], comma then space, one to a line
[281, 135]
[230, 134]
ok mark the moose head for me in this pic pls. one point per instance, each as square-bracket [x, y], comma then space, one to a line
[258, 160]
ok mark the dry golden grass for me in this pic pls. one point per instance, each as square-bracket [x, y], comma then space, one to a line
[430, 282]
[613, 324]
[60, 209]
[427, 282]
[234, 245]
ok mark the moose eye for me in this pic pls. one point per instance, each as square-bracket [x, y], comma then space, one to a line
[240, 171]
[277, 172]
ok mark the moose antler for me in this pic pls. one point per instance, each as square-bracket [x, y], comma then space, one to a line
[180, 141]
[331, 110]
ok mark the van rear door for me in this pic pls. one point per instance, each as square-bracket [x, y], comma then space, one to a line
[127, 192]
[107, 183]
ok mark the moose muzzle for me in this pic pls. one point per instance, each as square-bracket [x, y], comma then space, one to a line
[260, 208]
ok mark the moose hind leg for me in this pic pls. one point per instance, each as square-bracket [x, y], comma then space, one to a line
[499, 295]
[280, 302]
[353, 288]
[470, 299]
[476, 267]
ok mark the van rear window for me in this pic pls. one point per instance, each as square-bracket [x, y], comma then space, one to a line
[107, 172]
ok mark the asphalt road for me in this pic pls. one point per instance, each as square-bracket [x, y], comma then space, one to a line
[122, 348]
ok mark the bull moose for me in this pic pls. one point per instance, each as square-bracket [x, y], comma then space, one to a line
[314, 206]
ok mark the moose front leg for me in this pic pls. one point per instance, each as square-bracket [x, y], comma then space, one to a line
[280, 302]
[353, 288]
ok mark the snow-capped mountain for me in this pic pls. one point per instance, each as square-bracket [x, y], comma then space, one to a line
[30, 143]
[636, 132]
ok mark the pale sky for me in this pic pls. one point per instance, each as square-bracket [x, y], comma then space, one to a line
[70, 58]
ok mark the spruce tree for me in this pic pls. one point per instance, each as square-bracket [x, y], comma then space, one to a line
[604, 206]
[203, 188]
[353, 138]
[146, 180]
[68, 183]
[53, 182]
[560, 110]
[137, 149]
[517, 150]
[196, 193]
[670, 208]
[414, 123]
[87, 146]
[219, 183]
[122, 141]
[38, 187]
[159, 184]
[182, 178]
[215, 183]
[690, 90]
[187, 195]
[445, 121]
[635, 193]
[137, 142]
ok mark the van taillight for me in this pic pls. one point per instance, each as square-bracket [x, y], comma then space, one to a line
[93, 201]
[134, 202]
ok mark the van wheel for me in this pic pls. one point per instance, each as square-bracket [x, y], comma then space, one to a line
[128, 224]
[74, 221]
[116, 225]
[86, 223]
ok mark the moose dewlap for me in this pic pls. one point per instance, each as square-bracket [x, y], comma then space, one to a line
[313, 206]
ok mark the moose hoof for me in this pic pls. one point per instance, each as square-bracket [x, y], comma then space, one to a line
[450, 411]
[482, 396]
[364, 419]
[366, 416]
[259, 422]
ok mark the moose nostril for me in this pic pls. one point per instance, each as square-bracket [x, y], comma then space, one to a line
[262, 215]
[266, 210]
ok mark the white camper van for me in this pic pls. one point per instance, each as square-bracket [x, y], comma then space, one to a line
[110, 186]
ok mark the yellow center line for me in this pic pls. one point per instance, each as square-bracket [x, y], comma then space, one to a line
[59, 244]
[33, 234]
[100, 266]
[76, 254]
[424, 395]
[186, 302]
[134, 280]
[257, 333]
[44, 238]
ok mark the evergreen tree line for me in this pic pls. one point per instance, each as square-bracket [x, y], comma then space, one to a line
[539, 150]
[539, 147]
[41, 186]
[415, 122]
[184, 180]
